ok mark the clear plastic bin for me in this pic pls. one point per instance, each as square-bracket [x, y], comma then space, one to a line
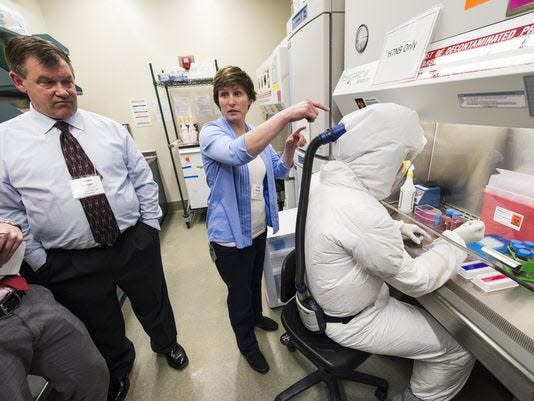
[427, 214]
[279, 245]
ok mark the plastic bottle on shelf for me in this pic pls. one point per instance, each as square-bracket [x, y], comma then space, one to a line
[183, 132]
[193, 133]
[407, 193]
[163, 76]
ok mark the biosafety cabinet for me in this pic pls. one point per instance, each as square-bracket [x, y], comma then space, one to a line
[381, 16]
[474, 92]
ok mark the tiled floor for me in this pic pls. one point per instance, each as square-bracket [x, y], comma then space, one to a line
[217, 371]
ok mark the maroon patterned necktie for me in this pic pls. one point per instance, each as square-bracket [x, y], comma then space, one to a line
[97, 209]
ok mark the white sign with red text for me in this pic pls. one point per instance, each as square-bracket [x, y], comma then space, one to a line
[506, 46]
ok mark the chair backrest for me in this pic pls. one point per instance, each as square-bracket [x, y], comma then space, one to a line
[287, 277]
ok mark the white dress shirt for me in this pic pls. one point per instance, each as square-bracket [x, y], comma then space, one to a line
[35, 183]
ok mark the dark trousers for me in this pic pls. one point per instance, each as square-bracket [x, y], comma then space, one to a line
[241, 270]
[85, 281]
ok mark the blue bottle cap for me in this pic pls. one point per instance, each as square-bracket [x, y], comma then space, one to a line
[529, 244]
[524, 253]
[517, 247]
[516, 242]
[449, 212]
[456, 214]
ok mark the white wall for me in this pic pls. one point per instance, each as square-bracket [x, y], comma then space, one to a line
[111, 43]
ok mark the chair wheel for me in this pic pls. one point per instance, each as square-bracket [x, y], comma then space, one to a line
[285, 339]
[381, 393]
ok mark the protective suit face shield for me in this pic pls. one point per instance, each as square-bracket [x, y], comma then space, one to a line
[378, 139]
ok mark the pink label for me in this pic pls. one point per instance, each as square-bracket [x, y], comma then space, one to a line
[494, 278]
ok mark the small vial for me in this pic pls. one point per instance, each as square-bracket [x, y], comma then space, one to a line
[456, 219]
[443, 222]
[437, 222]
[448, 218]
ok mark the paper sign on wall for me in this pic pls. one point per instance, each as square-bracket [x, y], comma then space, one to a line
[140, 112]
[182, 107]
[204, 106]
[405, 47]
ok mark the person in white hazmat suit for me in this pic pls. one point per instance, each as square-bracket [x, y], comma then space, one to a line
[353, 248]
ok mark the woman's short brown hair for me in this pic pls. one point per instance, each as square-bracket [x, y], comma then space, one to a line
[230, 76]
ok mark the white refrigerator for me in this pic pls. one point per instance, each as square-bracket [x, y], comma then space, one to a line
[315, 34]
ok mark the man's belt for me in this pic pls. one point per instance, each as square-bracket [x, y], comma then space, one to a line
[10, 303]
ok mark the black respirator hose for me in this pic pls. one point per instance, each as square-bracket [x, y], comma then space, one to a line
[302, 213]
[330, 135]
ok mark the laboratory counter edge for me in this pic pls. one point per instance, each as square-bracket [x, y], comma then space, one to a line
[495, 326]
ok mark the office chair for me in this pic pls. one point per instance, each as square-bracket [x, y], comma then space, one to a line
[334, 362]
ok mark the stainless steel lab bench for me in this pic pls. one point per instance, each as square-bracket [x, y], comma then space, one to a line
[497, 327]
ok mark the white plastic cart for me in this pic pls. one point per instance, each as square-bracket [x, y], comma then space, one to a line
[277, 248]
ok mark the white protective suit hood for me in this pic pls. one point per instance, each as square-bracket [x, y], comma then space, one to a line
[379, 137]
